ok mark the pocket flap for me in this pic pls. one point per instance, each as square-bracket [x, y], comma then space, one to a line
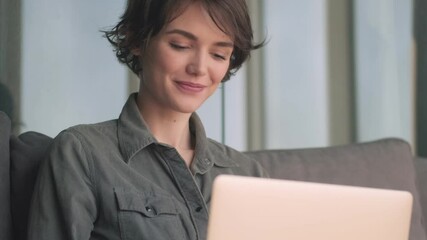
[146, 204]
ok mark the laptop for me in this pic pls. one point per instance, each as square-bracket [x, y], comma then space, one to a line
[246, 208]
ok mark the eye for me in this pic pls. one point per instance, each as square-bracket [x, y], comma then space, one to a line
[219, 56]
[178, 46]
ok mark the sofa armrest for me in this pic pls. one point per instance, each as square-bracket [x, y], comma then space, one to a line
[421, 169]
[26, 153]
[5, 214]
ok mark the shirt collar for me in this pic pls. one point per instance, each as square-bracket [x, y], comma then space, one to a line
[207, 153]
[134, 135]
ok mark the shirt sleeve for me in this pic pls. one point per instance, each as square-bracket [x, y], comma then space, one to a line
[64, 202]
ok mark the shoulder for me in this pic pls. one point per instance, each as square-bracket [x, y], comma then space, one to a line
[89, 133]
[92, 130]
[72, 150]
[233, 154]
[81, 141]
[230, 157]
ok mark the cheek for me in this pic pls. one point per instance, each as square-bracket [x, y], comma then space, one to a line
[220, 72]
[167, 62]
[163, 61]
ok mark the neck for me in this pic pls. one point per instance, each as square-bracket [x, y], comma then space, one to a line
[169, 127]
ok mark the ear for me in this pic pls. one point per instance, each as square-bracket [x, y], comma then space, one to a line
[136, 51]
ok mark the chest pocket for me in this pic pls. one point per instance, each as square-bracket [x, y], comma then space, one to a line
[147, 216]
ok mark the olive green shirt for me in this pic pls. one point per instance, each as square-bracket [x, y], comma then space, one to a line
[113, 180]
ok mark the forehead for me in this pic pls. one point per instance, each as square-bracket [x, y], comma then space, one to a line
[195, 13]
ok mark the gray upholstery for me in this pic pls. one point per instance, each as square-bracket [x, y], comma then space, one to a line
[26, 152]
[381, 164]
[421, 169]
[5, 214]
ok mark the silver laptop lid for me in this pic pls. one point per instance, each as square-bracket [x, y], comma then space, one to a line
[246, 208]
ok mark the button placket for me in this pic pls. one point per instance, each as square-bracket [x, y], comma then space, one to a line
[199, 209]
[150, 211]
[189, 189]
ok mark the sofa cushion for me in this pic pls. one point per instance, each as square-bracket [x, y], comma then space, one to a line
[26, 153]
[421, 168]
[5, 217]
[386, 163]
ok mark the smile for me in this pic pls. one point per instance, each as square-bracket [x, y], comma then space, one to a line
[190, 87]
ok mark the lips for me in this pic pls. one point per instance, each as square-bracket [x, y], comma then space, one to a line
[190, 87]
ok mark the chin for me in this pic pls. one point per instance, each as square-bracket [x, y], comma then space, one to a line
[188, 105]
[187, 108]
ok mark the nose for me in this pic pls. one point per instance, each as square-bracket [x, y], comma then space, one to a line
[197, 66]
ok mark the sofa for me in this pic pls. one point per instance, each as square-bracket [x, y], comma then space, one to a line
[386, 163]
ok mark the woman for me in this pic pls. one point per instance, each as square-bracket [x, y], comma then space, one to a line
[148, 174]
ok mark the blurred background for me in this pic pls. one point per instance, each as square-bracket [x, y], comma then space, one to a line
[333, 72]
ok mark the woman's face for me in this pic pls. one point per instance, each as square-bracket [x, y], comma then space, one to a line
[184, 64]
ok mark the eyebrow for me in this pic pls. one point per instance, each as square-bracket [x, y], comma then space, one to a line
[194, 38]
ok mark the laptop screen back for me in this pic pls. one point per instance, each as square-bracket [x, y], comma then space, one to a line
[246, 208]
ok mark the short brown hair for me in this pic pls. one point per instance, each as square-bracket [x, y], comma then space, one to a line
[143, 19]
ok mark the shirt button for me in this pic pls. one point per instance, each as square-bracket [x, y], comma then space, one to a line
[148, 209]
[198, 209]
